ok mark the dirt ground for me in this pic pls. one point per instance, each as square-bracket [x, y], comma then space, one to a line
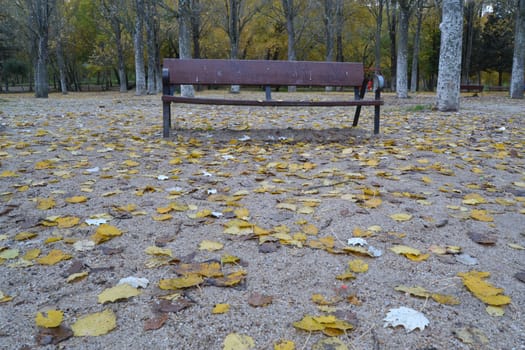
[275, 194]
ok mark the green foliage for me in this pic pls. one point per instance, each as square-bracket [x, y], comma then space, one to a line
[497, 44]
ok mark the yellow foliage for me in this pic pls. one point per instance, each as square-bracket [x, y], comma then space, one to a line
[96, 324]
[484, 291]
[49, 319]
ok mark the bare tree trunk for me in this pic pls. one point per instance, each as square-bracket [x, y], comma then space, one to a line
[39, 13]
[185, 41]
[402, 50]
[329, 23]
[449, 74]
[417, 44]
[517, 83]
[123, 79]
[234, 34]
[391, 9]
[196, 28]
[140, 74]
[61, 66]
[339, 21]
[468, 40]
[379, 25]
[152, 47]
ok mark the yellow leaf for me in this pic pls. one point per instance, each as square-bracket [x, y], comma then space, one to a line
[373, 203]
[287, 206]
[105, 232]
[496, 311]
[9, 253]
[23, 236]
[76, 199]
[220, 309]
[359, 232]
[75, 277]
[415, 291]
[242, 213]
[45, 203]
[164, 210]
[8, 173]
[181, 282]
[484, 291]
[130, 163]
[122, 291]
[153, 250]
[418, 257]
[44, 164]
[516, 246]
[53, 239]
[358, 266]
[96, 324]
[31, 254]
[403, 250]
[319, 299]
[519, 184]
[203, 213]
[164, 217]
[236, 341]
[310, 229]
[49, 319]
[284, 345]
[401, 217]
[229, 259]
[473, 199]
[345, 276]
[445, 299]
[481, 215]
[309, 323]
[210, 245]
[426, 179]
[4, 298]
[67, 221]
[54, 257]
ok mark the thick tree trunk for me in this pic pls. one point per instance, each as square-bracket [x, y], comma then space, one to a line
[140, 74]
[185, 41]
[402, 51]
[417, 43]
[234, 33]
[449, 74]
[379, 25]
[196, 28]
[123, 79]
[41, 75]
[469, 37]
[517, 83]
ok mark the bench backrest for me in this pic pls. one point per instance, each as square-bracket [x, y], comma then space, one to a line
[261, 72]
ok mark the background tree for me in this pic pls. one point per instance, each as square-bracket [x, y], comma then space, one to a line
[450, 56]
[405, 7]
[38, 15]
[184, 17]
[517, 84]
[138, 40]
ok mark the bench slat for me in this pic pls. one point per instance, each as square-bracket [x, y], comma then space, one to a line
[261, 72]
[275, 103]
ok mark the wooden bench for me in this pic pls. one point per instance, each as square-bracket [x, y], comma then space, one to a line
[267, 74]
[471, 88]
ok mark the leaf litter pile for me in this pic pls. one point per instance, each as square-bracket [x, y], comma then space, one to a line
[261, 228]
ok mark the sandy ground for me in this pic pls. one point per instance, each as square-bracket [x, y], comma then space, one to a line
[301, 181]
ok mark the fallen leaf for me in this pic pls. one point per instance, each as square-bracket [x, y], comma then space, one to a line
[257, 300]
[220, 309]
[236, 341]
[119, 292]
[358, 266]
[482, 238]
[105, 232]
[484, 291]
[49, 318]
[75, 277]
[55, 335]
[95, 324]
[155, 322]
[401, 217]
[471, 335]
[409, 318]
[135, 282]
[495, 311]
[77, 199]
[53, 257]
[181, 282]
[24, 236]
[153, 250]
[481, 215]
[210, 245]
[330, 344]
[45, 203]
[284, 345]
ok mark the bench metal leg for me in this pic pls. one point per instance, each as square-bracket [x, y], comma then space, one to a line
[166, 119]
[359, 95]
[376, 119]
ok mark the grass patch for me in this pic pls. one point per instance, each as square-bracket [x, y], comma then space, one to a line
[419, 108]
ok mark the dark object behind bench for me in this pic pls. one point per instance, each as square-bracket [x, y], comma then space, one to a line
[267, 74]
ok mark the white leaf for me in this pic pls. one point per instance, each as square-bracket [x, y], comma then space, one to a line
[93, 170]
[375, 251]
[135, 282]
[212, 191]
[162, 177]
[84, 245]
[96, 222]
[216, 214]
[244, 138]
[409, 318]
[357, 242]
[466, 259]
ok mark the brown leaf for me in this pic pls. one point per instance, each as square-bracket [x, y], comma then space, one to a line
[482, 238]
[169, 306]
[269, 247]
[75, 267]
[256, 300]
[155, 322]
[55, 335]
